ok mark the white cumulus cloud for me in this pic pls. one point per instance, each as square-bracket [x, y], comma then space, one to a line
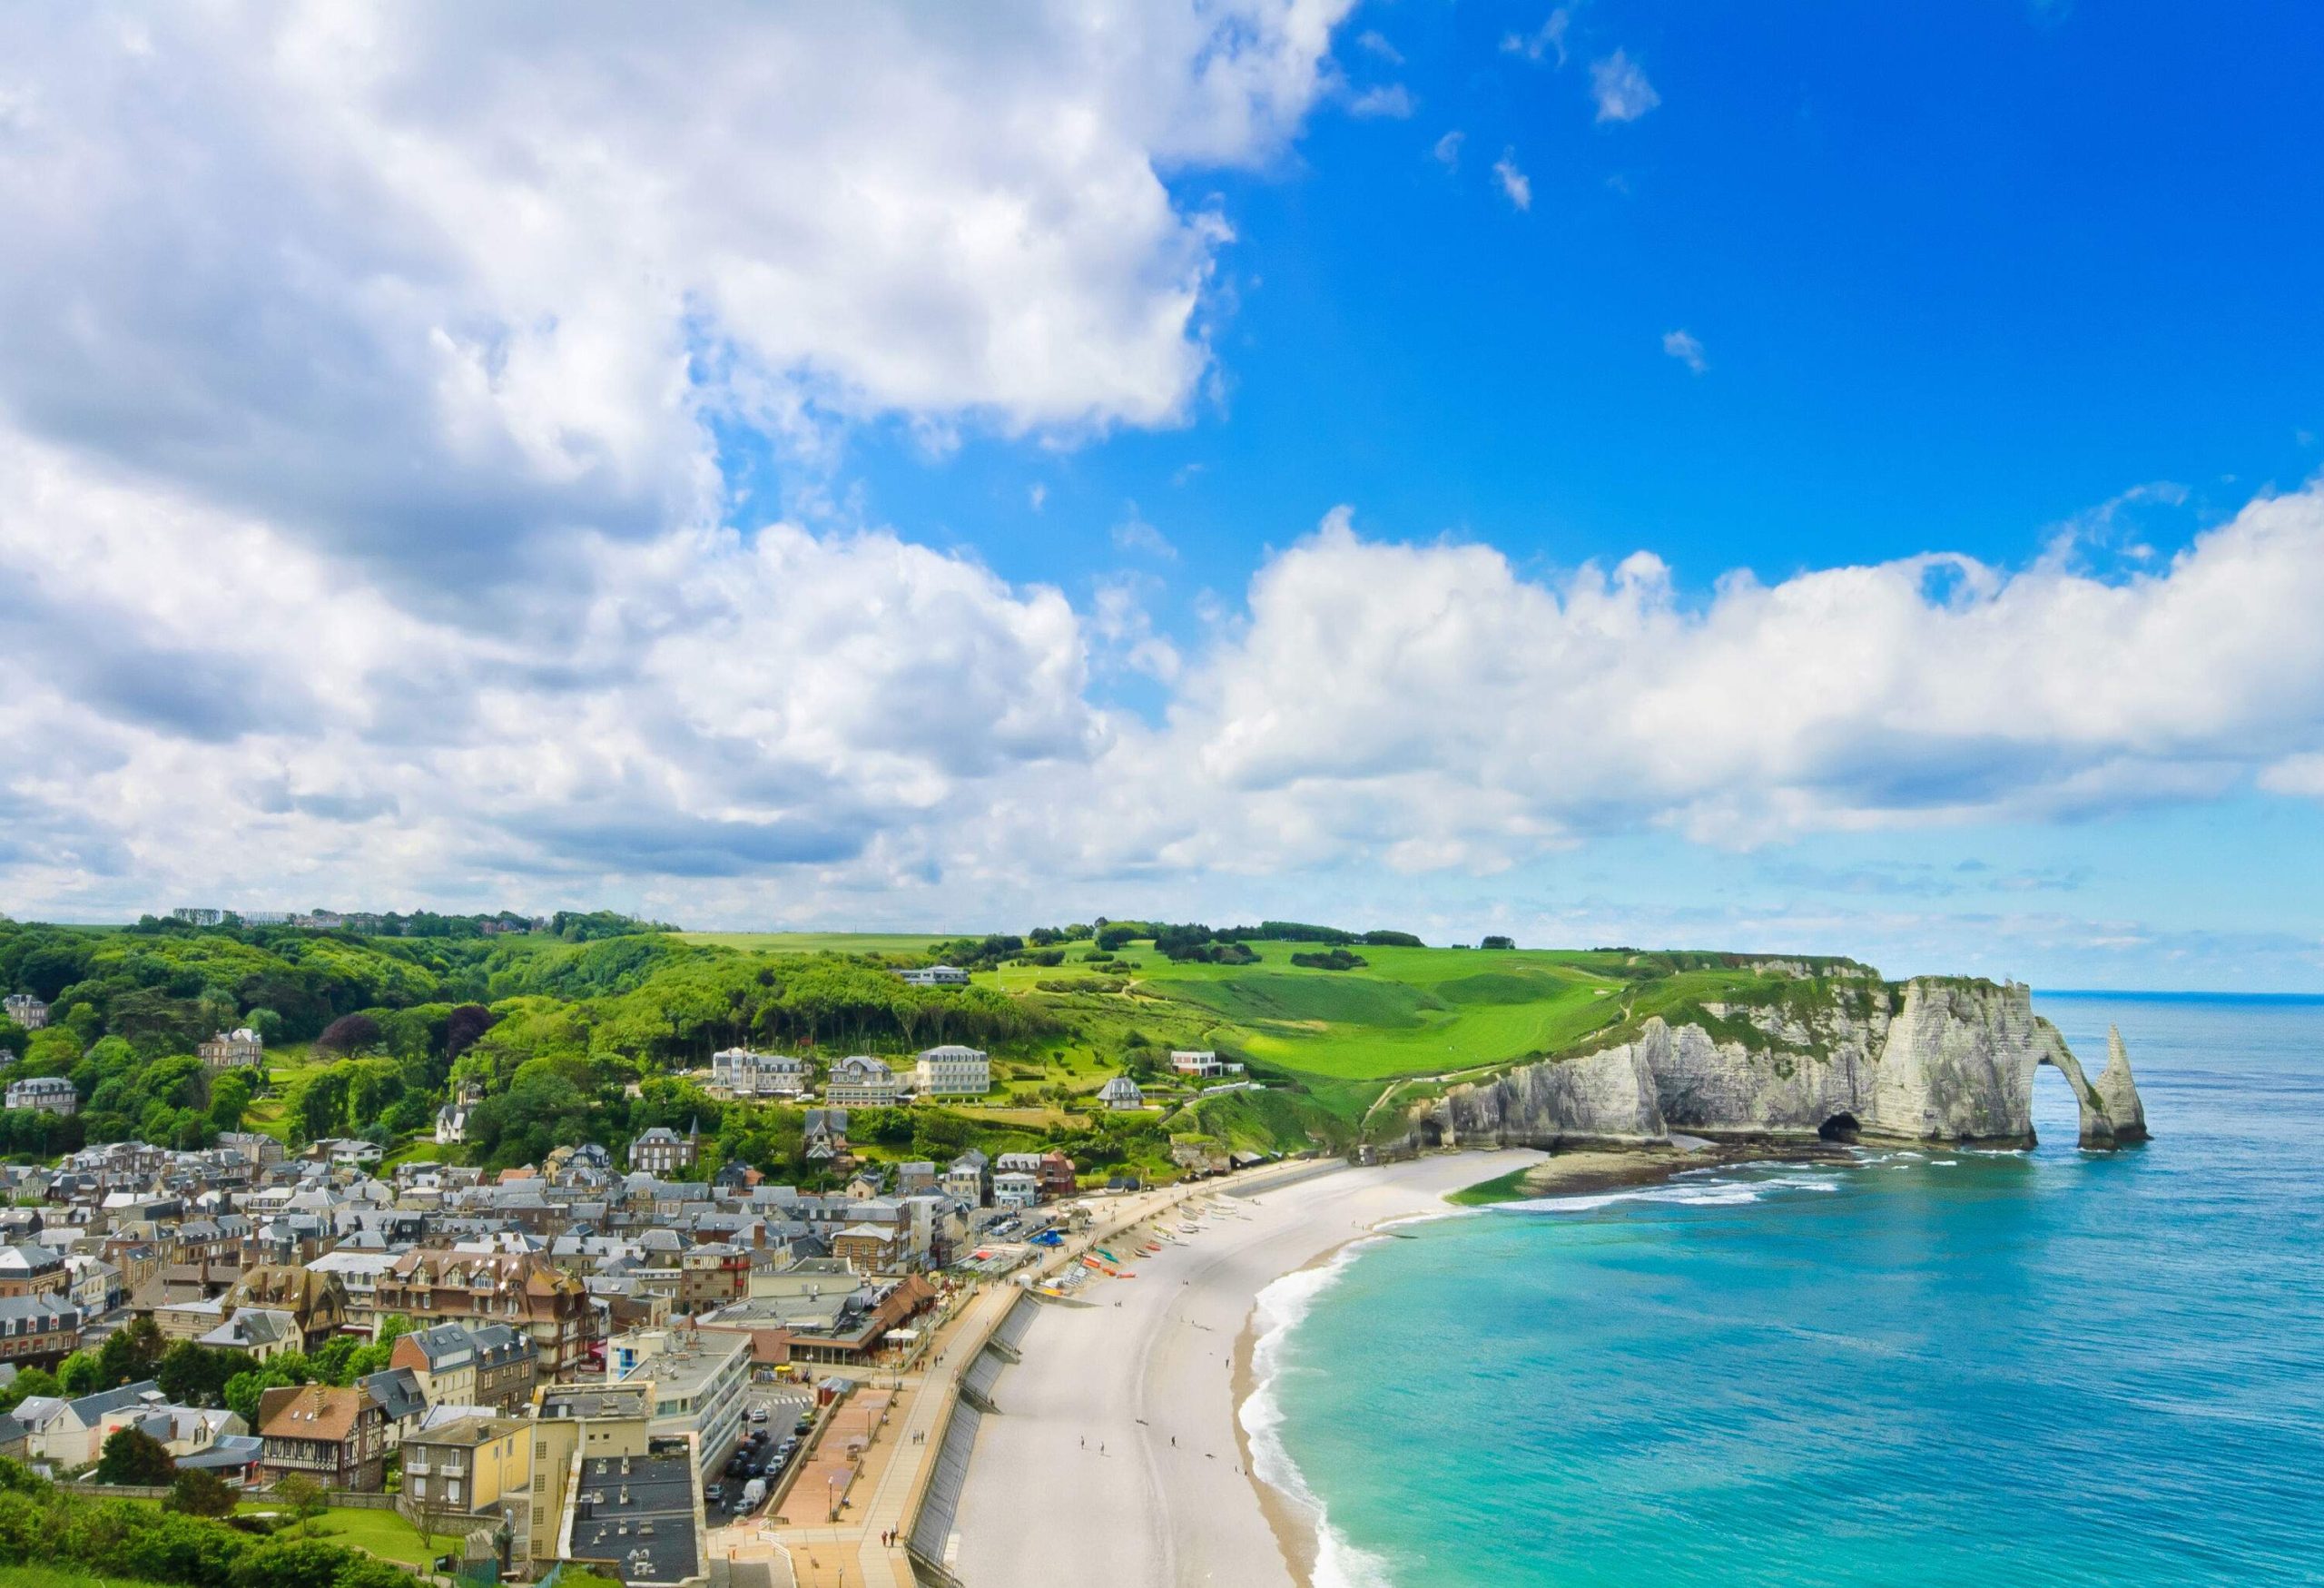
[464, 276]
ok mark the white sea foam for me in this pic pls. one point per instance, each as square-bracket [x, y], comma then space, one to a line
[1280, 1308]
[1735, 1193]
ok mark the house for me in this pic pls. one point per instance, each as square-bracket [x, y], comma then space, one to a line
[661, 1151]
[402, 1402]
[182, 1431]
[357, 1271]
[70, 1432]
[915, 1177]
[1016, 1188]
[337, 1437]
[861, 1081]
[952, 1070]
[31, 1269]
[255, 1146]
[240, 1049]
[868, 1248]
[49, 1094]
[745, 1074]
[39, 1328]
[1202, 1062]
[469, 1466]
[549, 1308]
[1121, 1092]
[481, 1365]
[712, 1275]
[315, 1299]
[1052, 1172]
[965, 1177]
[825, 1133]
[935, 976]
[92, 1286]
[452, 1124]
[236, 1457]
[26, 1011]
[261, 1331]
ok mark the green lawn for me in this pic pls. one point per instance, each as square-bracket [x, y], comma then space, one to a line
[384, 1534]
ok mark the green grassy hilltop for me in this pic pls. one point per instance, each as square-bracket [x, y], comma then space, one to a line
[607, 1029]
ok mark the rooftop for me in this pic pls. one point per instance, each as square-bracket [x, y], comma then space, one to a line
[638, 1515]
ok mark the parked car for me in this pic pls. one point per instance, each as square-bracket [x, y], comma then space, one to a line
[758, 1413]
[714, 1493]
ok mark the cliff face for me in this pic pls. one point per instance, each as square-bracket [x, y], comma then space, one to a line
[1955, 1063]
[1606, 1096]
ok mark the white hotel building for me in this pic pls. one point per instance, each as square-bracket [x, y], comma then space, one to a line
[953, 1071]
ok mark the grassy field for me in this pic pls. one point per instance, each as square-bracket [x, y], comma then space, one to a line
[1407, 1011]
[821, 942]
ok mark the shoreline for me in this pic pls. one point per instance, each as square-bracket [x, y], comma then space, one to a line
[1295, 1520]
[1126, 1410]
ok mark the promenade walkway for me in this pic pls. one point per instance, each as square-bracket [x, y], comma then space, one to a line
[903, 1439]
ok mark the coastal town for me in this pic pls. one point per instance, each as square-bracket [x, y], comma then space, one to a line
[615, 1360]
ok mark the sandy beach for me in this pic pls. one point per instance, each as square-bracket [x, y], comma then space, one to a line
[1118, 1447]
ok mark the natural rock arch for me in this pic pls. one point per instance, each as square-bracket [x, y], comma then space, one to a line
[2111, 1114]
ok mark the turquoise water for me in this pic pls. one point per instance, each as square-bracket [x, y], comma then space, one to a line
[1936, 1368]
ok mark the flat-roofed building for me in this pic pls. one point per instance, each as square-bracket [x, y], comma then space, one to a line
[571, 1423]
[698, 1381]
[952, 1070]
[637, 1518]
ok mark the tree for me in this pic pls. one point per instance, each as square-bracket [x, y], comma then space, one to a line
[463, 1026]
[198, 1374]
[200, 1493]
[29, 1381]
[80, 1374]
[132, 1456]
[1496, 941]
[349, 1033]
[302, 1496]
[431, 1517]
[131, 1352]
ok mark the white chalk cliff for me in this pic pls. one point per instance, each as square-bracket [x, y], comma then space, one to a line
[1939, 1059]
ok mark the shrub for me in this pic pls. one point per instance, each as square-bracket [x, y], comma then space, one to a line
[200, 1493]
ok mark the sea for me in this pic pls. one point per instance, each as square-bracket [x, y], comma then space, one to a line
[1919, 1367]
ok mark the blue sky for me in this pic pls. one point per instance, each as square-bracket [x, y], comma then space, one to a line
[1837, 480]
